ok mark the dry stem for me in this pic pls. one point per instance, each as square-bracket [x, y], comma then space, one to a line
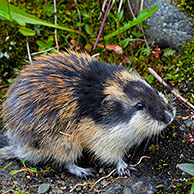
[28, 50]
[80, 184]
[130, 8]
[104, 177]
[55, 12]
[176, 94]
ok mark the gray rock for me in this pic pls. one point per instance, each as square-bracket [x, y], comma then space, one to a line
[115, 190]
[142, 187]
[43, 188]
[168, 26]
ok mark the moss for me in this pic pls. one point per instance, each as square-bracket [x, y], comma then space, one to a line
[68, 16]
[187, 6]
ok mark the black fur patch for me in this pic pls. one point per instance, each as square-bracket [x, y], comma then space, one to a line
[89, 91]
[152, 102]
[117, 113]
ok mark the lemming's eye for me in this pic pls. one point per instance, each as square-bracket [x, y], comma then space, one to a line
[140, 106]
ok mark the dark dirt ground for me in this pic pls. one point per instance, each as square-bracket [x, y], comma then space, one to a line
[158, 174]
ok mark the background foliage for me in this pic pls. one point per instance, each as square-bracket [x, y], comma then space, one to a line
[174, 66]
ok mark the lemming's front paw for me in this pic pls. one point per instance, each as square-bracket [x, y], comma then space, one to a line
[124, 169]
[80, 172]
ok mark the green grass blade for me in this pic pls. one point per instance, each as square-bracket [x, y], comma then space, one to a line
[188, 168]
[143, 15]
[6, 166]
[15, 171]
[33, 169]
[192, 189]
[22, 18]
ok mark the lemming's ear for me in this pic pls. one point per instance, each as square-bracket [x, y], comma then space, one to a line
[108, 102]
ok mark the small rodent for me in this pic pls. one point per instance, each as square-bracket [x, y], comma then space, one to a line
[69, 102]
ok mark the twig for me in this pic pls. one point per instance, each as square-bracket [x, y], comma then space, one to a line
[101, 12]
[130, 8]
[80, 184]
[102, 178]
[102, 25]
[102, 8]
[140, 160]
[80, 21]
[136, 7]
[40, 52]
[144, 36]
[118, 24]
[92, 183]
[28, 50]
[55, 12]
[6, 85]
[120, 5]
[176, 94]
[141, 5]
[137, 39]
[66, 40]
[113, 180]
[141, 8]
[95, 55]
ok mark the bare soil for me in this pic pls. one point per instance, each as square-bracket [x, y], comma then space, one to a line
[159, 174]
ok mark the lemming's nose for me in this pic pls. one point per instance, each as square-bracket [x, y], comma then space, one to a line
[168, 117]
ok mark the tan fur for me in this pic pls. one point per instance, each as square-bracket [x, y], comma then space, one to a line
[63, 137]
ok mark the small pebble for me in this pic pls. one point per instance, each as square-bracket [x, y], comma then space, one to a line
[101, 170]
[188, 122]
[28, 177]
[43, 188]
[63, 188]
[160, 186]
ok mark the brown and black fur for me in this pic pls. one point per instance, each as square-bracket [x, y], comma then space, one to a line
[68, 102]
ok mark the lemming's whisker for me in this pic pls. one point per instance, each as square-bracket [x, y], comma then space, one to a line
[146, 145]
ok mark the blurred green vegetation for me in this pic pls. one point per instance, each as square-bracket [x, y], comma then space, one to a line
[187, 6]
[176, 67]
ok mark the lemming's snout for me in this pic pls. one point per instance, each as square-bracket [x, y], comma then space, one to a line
[168, 117]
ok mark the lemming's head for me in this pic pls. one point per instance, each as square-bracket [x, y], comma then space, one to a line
[132, 102]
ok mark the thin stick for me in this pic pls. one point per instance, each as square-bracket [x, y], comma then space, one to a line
[55, 12]
[103, 6]
[80, 21]
[95, 55]
[102, 25]
[141, 8]
[176, 94]
[28, 50]
[141, 160]
[141, 5]
[130, 8]
[120, 5]
[113, 180]
[144, 36]
[136, 7]
[137, 39]
[92, 183]
[40, 52]
[104, 177]
[80, 184]
[4, 86]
